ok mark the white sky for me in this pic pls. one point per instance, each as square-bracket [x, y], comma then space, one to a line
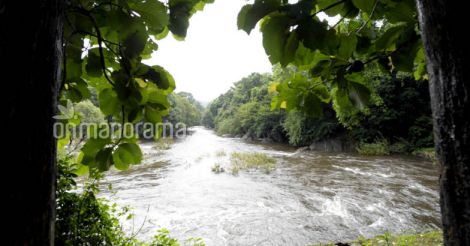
[215, 54]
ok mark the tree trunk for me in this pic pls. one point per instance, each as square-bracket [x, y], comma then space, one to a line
[31, 52]
[447, 52]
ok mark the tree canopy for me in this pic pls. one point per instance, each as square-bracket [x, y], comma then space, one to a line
[331, 58]
[106, 44]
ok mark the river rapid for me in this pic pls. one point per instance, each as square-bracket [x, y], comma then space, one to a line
[310, 197]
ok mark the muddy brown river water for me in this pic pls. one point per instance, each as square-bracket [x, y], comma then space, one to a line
[310, 197]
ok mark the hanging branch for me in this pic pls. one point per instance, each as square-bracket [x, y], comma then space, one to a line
[100, 42]
[370, 16]
[328, 7]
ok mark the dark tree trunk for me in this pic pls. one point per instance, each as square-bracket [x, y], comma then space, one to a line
[30, 51]
[443, 25]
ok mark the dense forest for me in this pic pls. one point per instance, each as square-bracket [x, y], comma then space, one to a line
[184, 109]
[398, 119]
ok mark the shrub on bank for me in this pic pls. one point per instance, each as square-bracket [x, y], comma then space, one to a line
[426, 153]
[433, 238]
[84, 219]
[380, 147]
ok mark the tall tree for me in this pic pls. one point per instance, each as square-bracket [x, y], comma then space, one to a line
[447, 53]
[30, 51]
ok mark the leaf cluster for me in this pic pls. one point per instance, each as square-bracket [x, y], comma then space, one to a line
[105, 45]
[330, 58]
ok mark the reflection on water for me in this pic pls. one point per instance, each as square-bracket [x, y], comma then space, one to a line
[310, 196]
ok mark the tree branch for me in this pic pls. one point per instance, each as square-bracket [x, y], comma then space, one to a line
[370, 16]
[100, 42]
[328, 7]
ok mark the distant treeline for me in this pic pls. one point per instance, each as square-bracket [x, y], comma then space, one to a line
[398, 116]
[183, 109]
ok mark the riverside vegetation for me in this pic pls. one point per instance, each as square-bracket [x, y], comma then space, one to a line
[398, 119]
[81, 215]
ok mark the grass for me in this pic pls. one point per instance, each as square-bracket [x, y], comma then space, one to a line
[433, 238]
[426, 153]
[380, 147]
[220, 153]
[163, 143]
[245, 160]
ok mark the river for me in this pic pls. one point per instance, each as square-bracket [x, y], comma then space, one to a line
[310, 197]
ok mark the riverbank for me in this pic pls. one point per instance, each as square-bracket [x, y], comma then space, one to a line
[343, 145]
[433, 238]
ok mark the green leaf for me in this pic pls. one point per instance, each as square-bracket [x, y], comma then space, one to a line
[290, 49]
[388, 39]
[250, 14]
[359, 94]
[93, 145]
[341, 100]
[154, 13]
[134, 44]
[81, 170]
[160, 77]
[401, 11]
[93, 66]
[135, 115]
[364, 5]
[104, 159]
[91, 148]
[109, 102]
[77, 91]
[311, 104]
[74, 61]
[384, 64]
[349, 10]
[322, 93]
[347, 46]
[313, 33]
[404, 57]
[275, 37]
[126, 154]
[242, 21]
[322, 4]
[150, 47]
[179, 17]
[152, 115]
[156, 98]
[420, 71]
[356, 66]
[163, 34]
[318, 69]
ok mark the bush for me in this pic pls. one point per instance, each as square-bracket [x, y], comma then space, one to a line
[89, 113]
[433, 238]
[84, 219]
[426, 153]
[380, 147]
